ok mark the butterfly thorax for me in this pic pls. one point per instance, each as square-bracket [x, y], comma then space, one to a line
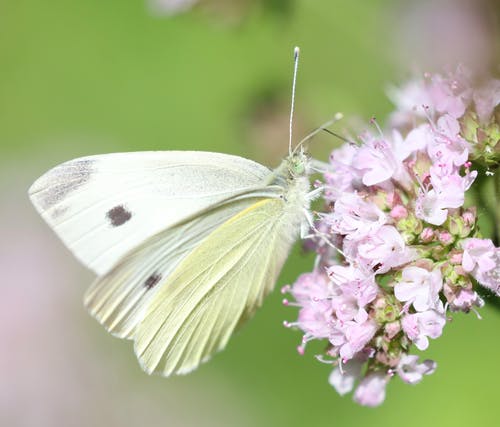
[293, 176]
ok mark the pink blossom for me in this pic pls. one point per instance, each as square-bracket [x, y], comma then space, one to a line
[479, 254]
[315, 320]
[418, 139]
[343, 377]
[412, 372]
[371, 389]
[399, 212]
[427, 234]
[354, 296]
[445, 237]
[419, 326]
[355, 216]
[451, 95]
[419, 287]
[448, 192]
[376, 160]
[311, 291]
[311, 287]
[448, 146]
[382, 250]
[342, 178]
[482, 259]
[351, 337]
[465, 299]
[410, 101]
[486, 98]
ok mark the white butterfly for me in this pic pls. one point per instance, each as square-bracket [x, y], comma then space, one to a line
[186, 244]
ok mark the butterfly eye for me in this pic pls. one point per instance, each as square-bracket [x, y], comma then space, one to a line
[299, 168]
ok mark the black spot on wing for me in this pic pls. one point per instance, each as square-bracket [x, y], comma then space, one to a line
[118, 215]
[63, 180]
[152, 280]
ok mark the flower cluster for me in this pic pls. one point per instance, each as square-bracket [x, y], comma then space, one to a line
[397, 250]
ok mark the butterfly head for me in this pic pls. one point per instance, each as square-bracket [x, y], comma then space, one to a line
[298, 163]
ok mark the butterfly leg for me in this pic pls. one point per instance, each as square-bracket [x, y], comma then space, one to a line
[314, 194]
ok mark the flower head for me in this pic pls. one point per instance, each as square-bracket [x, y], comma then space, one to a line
[403, 250]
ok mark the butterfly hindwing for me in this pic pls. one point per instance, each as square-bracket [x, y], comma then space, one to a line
[213, 290]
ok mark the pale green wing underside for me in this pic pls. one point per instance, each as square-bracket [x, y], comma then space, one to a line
[119, 298]
[213, 290]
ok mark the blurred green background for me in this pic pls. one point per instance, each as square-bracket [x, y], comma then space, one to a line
[88, 77]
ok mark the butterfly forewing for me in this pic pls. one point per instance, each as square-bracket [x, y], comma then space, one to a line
[104, 206]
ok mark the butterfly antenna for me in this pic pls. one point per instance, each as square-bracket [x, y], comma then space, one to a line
[296, 52]
[342, 138]
[323, 127]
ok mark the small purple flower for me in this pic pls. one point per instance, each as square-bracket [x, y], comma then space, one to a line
[486, 98]
[419, 287]
[353, 291]
[412, 372]
[465, 299]
[451, 95]
[351, 337]
[371, 389]
[375, 160]
[482, 259]
[381, 250]
[448, 192]
[354, 216]
[448, 146]
[479, 254]
[311, 287]
[344, 376]
[419, 326]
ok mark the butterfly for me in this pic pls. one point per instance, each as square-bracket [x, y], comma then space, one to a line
[185, 244]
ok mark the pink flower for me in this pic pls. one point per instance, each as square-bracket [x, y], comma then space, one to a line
[399, 212]
[418, 139]
[448, 192]
[451, 95]
[343, 377]
[448, 146]
[311, 287]
[482, 259]
[315, 320]
[479, 254]
[351, 337]
[419, 287]
[412, 372]
[419, 326]
[312, 293]
[465, 299]
[409, 100]
[382, 250]
[371, 389]
[350, 305]
[342, 178]
[375, 160]
[355, 216]
[486, 98]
